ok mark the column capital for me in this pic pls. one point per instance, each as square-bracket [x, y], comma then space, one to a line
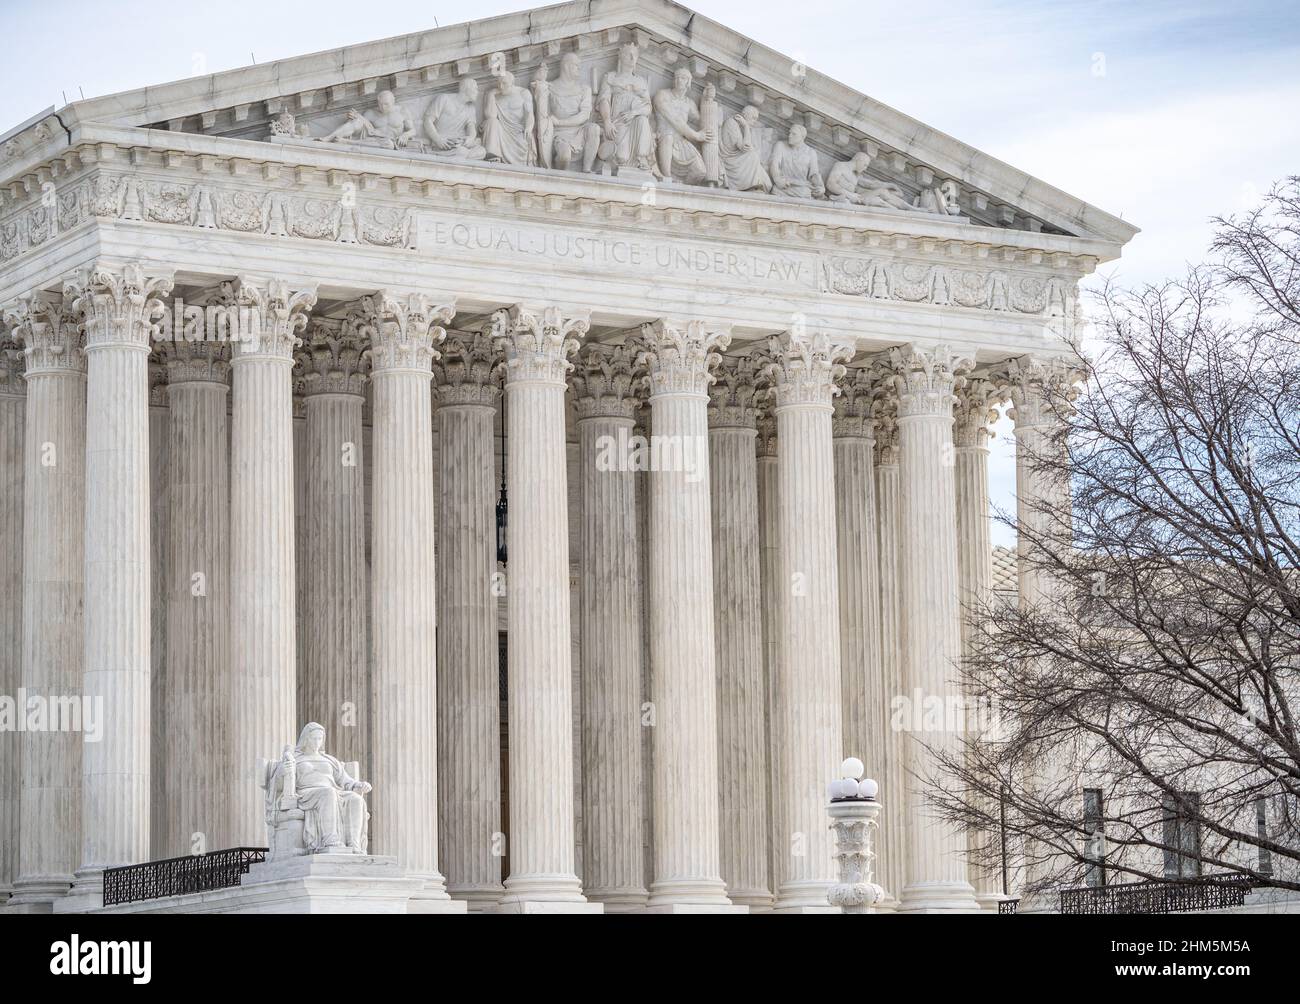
[277, 312]
[469, 371]
[735, 395]
[679, 355]
[974, 411]
[1041, 389]
[333, 358]
[855, 404]
[926, 378]
[404, 330]
[12, 383]
[537, 343]
[604, 382]
[122, 306]
[195, 362]
[807, 364]
[50, 331]
[884, 413]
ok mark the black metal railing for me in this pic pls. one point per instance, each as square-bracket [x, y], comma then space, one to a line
[179, 876]
[1008, 905]
[1212, 892]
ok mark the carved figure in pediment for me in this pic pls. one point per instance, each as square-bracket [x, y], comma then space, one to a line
[284, 126]
[794, 168]
[710, 123]
[624, 108]
[451, 123]
[842, 179]
[509, 123]
[387, 125]
[941, 199]
[874, 192]
[675, 140]
[742, 159]
[541, 88]
[574, 135]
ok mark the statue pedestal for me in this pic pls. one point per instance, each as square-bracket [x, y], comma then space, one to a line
[310, 883]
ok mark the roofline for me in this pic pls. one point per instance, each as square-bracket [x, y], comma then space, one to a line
[671, 20]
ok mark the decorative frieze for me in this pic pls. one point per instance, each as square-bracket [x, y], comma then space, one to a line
[949, 286]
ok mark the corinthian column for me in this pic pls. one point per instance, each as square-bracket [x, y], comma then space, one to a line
[1041, 390]
[687, 870]
[862, 684]
[120, 307]
[13, 400]
[53, 569]
[469, 709]
[769, 544]
[332, 368]
[196, 672]
[738, 612]
[403, 332]
[891, 842]
[540, 683]
[263, 583]
[973, 414]
[807, 691]
[610, 626]
[936, 879]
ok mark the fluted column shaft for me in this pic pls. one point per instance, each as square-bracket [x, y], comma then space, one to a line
[12, 405]
[891, 842]
[197, 684]
[335, 685]
[971, 433]
[865, 697]
[738, 614]
[404, 602]
[936, 879]
[263, 577]
[119, 308]
[769, 535]
[610, 631]
[808, 691]
[469, 709]
[542, 869]
[53, 570]
[687, 867]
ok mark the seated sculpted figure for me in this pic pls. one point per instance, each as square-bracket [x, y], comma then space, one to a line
[794, 168]
[573, 134]
[679, 160]
[310, 784]
[451, 123]
[742, 161]
[869, 191]
[509, 124]
[624, 108]
[388, 125]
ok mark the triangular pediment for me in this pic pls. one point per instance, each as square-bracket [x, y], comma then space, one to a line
[306, 98]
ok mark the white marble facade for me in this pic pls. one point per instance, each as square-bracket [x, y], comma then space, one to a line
[533, 244]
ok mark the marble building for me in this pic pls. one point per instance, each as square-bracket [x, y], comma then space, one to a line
[704, 344]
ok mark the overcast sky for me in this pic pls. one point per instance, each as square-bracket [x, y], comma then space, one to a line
[1164, 112]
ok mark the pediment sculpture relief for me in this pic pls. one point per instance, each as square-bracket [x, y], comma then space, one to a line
[615, 123]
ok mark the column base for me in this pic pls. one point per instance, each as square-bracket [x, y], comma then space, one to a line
[887, 905]
[801, 910]
[806, 896]
[619, 900]
[938, 897]
[695, 908]
[37, 895]
[988, 901]
[758, 900]
[478, 899]
[544, 894]
[689, 892]
[86, 894]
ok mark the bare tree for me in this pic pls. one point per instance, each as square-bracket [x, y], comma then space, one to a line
[1160, 669]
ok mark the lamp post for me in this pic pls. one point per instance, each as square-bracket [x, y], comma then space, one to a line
[853, 810]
